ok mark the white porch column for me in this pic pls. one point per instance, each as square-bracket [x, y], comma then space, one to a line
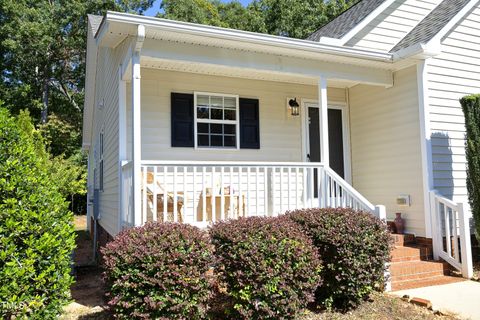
[122, 144]
[323, 121]
[136, 128]
[136, 140]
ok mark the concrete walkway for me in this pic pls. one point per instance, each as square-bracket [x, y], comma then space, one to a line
[460, 298]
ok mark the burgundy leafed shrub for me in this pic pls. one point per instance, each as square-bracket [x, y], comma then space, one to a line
[158, 271]
[269, 267]
[354, 247]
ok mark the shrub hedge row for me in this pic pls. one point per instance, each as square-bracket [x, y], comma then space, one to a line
[36, 229]
[354, 247]
[157, 271]
[268, 268]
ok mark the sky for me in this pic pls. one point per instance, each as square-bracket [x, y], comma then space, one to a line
[155, 8]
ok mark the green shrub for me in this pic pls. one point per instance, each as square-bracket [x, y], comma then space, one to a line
[269, 267]
[354, 247]
[158, 271]
[36, 230]
[471, 110]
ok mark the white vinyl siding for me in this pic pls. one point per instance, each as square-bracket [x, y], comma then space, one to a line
[451, 75]
[280, 133]
[106, 119]
[392, 25]
[385, 143]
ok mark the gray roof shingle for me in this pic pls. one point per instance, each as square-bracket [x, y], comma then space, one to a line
[431, 24]
[346, 21]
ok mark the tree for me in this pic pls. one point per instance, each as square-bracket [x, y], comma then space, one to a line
[471, 109]
[291, 18]
[42, 66]
[36, 228]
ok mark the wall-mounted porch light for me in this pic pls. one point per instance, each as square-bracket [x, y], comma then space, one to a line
[294, 107]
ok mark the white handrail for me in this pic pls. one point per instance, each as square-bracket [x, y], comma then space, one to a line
[455, 230]
[350, 189]
[230, 163]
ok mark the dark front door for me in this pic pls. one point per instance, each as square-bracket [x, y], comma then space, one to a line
[314, 143]
[335, 140]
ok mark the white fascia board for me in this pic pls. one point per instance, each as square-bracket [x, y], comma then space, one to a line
[90, 75]
[362, 24]
[242, 36]
[449, 26]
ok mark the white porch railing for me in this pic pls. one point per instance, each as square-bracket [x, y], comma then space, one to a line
[451, 234]
[200, 193]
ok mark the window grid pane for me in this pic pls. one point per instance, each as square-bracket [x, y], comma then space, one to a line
[216, 121]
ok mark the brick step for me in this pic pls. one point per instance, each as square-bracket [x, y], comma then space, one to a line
[427, 282]
[403, 239]
[418, 276]
[411, 253]
[416, 267]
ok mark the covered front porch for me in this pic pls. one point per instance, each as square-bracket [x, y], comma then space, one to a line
[291, 161]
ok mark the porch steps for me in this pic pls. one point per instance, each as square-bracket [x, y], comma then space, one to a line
[412, 265]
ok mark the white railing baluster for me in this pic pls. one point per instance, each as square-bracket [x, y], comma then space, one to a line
[296, 188]
[204, 195]
[144, 194]
[281, 189]
[321, 187]
[312, 187]
[231, 195]
[155, 184]
[447, 230]
[165, 195]
[185, 193]
[222, 194]
[248, 192]
[257, 191]
[337, 196]
[240, 193]
[455, 236]
[194, 194]
[274, 191]
[175, 204]
[265, 190]
[305, 186]
[213, 199]
[288, 188]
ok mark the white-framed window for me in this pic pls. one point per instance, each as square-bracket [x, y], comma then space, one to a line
[216, 120]
[100, 165]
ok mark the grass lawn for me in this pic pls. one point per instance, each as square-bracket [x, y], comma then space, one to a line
[88, 304]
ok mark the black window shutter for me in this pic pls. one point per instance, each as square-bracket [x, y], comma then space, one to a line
[182, 119]
[249, 124]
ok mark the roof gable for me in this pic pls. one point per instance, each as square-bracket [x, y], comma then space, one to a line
[433, 23]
